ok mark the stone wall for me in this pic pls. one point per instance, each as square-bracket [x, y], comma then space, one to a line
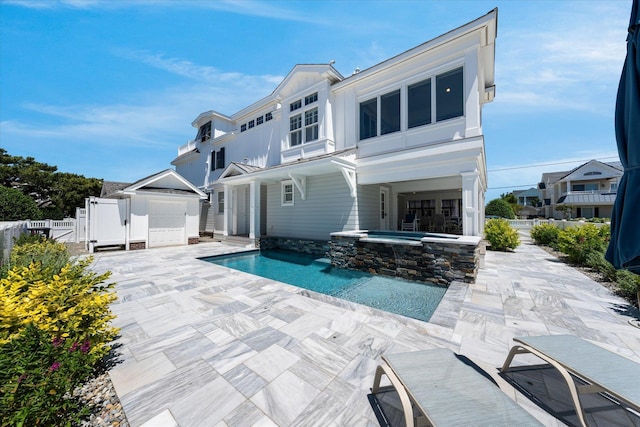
[193, 240]
[435, 262]
[133, 246]
[314, 247]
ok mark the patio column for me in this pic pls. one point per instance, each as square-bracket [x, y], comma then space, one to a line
[471, 203]
[254, 209]
[228, 211]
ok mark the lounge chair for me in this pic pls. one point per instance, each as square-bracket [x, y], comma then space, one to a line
[447, 391]
[602, 370]
[410, 223]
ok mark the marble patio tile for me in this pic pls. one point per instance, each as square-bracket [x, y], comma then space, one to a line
[324, 354]
[368, 342]
[359, 372]
[209, 403]
[163, 419]
[285, 398]
[219, 336]
[309, 372]
[245, 380]
[131, 333]
[228, 357]
[305, 325]
[137, 374]
[185, 352]
[156, 344]
[322, 411]
[245, 414]
[264, 422]
[263, 338]
[144, 403]
[271, 362]
[238, 324]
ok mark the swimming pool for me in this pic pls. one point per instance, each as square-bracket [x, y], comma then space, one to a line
[412, 299]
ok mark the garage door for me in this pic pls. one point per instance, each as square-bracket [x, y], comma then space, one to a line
[166, 223]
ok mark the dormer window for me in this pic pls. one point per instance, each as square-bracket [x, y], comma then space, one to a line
[295, 105]
[311, 98]
[204, 132]
[592, 173]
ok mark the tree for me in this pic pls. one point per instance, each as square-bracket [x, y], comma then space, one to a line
[500, 208]
[16, 206]
[56, 194]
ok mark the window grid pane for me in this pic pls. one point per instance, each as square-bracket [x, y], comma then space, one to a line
[390, 112]
[449, 95]
[369, 119]
[419, 104]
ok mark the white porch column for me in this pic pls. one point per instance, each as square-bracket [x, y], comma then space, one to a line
[254, 209]
[228, 211]
[471, 200]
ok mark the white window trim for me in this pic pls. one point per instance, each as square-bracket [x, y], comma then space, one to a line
[283, 184]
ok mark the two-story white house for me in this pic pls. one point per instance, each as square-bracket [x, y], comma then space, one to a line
[326, 153]
[588, 191]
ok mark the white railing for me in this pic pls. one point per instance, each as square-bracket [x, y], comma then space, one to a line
[566, 193]
[63, 230]
[185, 148]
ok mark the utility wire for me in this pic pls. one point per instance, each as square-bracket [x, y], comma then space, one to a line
[547, 164]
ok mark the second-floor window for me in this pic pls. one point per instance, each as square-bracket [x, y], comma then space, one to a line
[260, 120]
[204, 132]
[295, 128]
[243, 127]
[295, 105]
[252, 123]
[382, 115]
[311, 125]
[311, 98]
[268, 116]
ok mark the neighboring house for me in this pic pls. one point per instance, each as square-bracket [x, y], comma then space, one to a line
[588, 191]
[325, 153]
[529, 200]
[160, 210]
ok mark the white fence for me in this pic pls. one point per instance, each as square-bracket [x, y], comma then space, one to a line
[8, 232]
[67, 230]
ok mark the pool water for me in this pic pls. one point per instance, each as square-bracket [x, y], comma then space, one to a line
[411, 299]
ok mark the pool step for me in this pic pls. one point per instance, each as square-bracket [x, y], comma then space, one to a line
[238, 241]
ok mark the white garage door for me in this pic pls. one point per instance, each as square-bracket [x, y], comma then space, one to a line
[167, 223]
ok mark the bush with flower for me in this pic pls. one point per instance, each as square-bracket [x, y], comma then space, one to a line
[54, 330]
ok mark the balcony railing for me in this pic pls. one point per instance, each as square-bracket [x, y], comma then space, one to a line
[185, 148]
[566, 193]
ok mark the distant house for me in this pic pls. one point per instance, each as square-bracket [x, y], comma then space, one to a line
[529, 200]
[587, 191]
[326, 153]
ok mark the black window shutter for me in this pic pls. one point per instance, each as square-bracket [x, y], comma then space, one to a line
[213, 161]
[220, 159]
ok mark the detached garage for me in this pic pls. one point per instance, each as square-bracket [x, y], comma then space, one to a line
[160, 210]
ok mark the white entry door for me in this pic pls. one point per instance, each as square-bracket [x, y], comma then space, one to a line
[384, 208]
[167, 223]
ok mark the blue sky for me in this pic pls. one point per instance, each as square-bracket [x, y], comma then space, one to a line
[108, 89]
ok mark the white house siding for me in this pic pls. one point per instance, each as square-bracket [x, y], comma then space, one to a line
[328, 207]
[369, 207]
[139, 227]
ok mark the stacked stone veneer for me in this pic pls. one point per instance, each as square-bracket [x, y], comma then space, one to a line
[314, 247]
[435, 262]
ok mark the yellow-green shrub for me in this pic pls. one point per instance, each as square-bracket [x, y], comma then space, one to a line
[54, 329]
[501, 235]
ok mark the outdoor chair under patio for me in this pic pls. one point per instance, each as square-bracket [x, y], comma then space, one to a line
[600, 370]
[447, 391]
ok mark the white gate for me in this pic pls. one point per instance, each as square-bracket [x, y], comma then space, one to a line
[106, 222]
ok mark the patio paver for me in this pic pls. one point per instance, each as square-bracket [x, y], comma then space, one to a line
[205, 345]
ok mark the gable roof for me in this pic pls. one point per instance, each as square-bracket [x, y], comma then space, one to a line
[613, 169]
[167, 181]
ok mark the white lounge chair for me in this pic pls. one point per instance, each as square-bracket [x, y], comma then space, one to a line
[447, 391]
[601, 369]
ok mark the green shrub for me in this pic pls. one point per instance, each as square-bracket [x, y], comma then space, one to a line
[596, 261]
[499, 207]
[37, 379]
[545, 234]
[500, 235]
[54, 329]
[578, 242]
[629, 284]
